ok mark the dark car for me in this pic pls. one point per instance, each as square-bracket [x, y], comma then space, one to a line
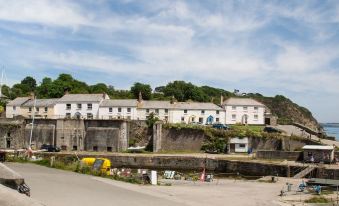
[50, 148]
[271, 130]
[220, 126]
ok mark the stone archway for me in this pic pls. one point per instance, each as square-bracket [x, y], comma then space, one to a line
[244, 119]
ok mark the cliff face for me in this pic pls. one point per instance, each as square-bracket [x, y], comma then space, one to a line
[288, 111]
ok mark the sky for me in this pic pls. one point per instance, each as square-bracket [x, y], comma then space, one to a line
[270, 47]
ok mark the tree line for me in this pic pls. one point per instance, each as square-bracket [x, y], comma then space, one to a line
[49, 88]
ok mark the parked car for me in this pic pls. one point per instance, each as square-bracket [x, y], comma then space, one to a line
[271, 130]
[220, 126]
[50, 148]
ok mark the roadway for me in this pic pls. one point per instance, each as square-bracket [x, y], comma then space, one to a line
[54, 187]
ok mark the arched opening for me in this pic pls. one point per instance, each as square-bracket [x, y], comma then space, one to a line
[244, 119]
[77, 115]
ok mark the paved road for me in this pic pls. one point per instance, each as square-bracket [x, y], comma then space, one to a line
[61, 188]
[293, 130]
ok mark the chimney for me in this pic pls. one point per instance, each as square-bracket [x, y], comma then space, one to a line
[221, 100]
[140, 97]
[173, 100]
[31, 95]
[66, 91]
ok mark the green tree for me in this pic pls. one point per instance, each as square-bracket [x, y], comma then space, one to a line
[29, 84]
[99, 88]
[145, 89]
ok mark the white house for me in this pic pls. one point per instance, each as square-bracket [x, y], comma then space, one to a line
[118, 109]
[244, 111]
[13, 108]
[82, 106]
[182, 112]
[238, 144]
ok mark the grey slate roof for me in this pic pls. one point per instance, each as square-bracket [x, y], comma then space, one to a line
[179, 105]
[119, 103]
[242, 102]
[18, 101]
[41, 103]
[81, 98]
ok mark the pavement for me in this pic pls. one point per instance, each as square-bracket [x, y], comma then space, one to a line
[293, 130]
[55, 187]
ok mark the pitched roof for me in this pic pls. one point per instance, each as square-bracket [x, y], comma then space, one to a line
[18, 101]
[41, 103]
[119, 103]
[318, 147]
[82, 98]
[179, 105]
[242, 102]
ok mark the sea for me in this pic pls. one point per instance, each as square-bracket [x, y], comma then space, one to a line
[332, 129]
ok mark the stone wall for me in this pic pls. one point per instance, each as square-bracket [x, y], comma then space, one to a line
[66, 134]
[282, 155]
[184, 139]
[12, 133]
[102, 139]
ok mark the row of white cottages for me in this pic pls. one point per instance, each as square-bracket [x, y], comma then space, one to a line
[100, 106]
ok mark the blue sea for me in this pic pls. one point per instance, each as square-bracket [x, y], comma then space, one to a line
[332, 130]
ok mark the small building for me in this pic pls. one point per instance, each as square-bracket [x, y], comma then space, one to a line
[238, 144]
[318, 153]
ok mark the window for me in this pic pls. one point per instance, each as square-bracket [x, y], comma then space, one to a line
[14, 108]
[119, 109]
[217, 112]
[234, 107]
[234, 116]
[46, 109]
[75, 147]
[37, 109]
[242, 145]
[193, 119]
[166, 111]
[29, 109]
[89, 106]
[89, 116]
[245, 108]
[110, 110]
[185, 111]
[166, 118]
[256, 117]
[109, 149]
[68, 106]
[202, 111]
[147, 110]
[95, 148]
[68, 115]
[157, 111]
[255, 108]
[129, 110]
[201, 120]
[217, 119]
[79, 106]
[182, 119]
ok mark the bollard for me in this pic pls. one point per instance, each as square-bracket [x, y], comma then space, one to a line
[52, 161]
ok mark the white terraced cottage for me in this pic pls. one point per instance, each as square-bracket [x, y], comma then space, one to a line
[99, 106]
[79, 106]
[244, 111]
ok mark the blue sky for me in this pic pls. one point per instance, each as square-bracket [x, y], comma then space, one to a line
[270, 47]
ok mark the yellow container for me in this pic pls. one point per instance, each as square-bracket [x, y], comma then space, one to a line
[102, 164]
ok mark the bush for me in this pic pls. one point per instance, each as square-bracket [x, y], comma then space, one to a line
[319, 199]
